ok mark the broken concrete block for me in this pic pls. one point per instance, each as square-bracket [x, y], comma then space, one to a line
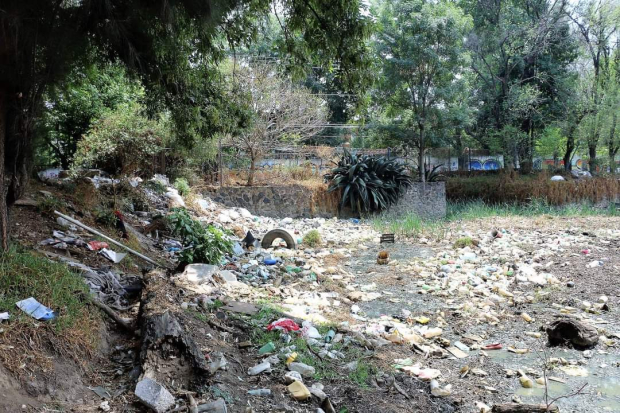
[200, 273]
[154, 395]
[218, 406]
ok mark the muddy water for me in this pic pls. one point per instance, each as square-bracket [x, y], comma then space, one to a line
[603, 379]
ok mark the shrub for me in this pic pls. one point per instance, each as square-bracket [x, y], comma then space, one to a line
[182, 186]
[156, 186]
[368, 183]
[201, 244]
[312, 238]
[48, 204]
[123, 141]
[105, 216]
[463, 242]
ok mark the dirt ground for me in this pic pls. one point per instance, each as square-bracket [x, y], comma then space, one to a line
[111, 374]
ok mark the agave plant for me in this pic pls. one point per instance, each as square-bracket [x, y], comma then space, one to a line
[368, 183]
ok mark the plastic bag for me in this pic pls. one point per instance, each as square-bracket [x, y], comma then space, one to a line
[284, 324]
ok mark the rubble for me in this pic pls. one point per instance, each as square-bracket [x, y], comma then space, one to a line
[154, 395]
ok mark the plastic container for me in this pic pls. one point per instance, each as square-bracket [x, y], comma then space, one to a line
[267, 348]
[299, 391]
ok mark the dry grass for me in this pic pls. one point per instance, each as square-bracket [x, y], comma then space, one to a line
[304, 174]
[505, 188]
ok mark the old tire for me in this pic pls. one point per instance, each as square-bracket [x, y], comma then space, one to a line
[274, 234]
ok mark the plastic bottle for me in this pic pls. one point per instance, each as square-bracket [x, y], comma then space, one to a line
[330, 336]
[260, 392]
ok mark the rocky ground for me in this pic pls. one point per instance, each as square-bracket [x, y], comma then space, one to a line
[454, 322]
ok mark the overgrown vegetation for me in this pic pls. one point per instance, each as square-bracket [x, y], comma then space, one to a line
[507, 189]
[312, 238]
[201, 243]
[368, 183]
[122, 142]
[182, 186]
[105, 216]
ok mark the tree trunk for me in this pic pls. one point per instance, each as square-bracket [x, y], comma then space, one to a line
[592, 154]
[4, 127]
[252, 171]
[421, 165]
[570, 147]
[612, 149]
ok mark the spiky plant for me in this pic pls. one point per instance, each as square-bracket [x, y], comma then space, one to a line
[368, 183]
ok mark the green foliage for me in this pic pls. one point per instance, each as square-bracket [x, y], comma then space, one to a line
[201, 244]
[123, 141]
[48, 204]
[312, 238]
[89, 92]
[368, 183]
[182, 186]
[463, 242]
[105, 216]
[24, 274]
[420, 45]
[156, 186]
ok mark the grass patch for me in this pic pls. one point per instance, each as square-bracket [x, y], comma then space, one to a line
[48, 204]
[408, 225]
[463, 242]
[413, 225]
[73, 333]
[156, 186]
[469, 210]
[362, 373]
[24, 274]
[312, 238]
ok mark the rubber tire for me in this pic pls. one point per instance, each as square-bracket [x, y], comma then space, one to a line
[272, 235]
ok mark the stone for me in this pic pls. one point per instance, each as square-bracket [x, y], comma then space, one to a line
[245, 213]
[318, 392]
[225, 277]
[200, 273]
[218, 406]
[234, 215]
[154, 395]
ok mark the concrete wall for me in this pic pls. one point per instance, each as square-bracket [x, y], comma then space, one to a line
[427, 200]
[296, 201]
[293, 201]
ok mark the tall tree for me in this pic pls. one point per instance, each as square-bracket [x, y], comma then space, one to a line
[89, 91]
[278, 112]
[171, 44]
[421, 45]
[597, 22]
[521, 54]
